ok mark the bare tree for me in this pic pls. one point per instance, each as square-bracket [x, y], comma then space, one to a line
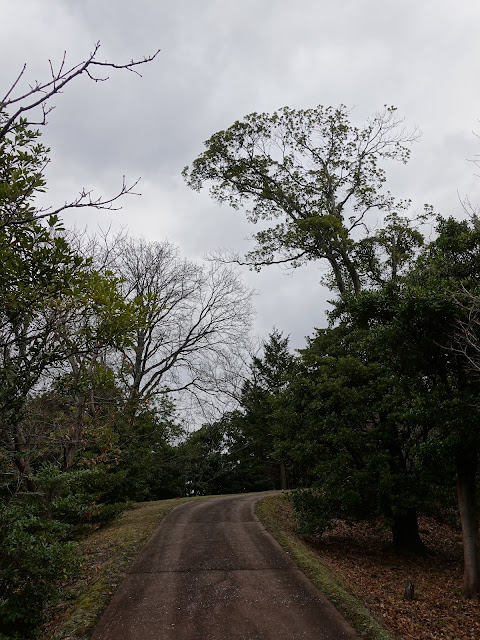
[194, 324]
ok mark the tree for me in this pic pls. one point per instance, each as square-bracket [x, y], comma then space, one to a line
[416, 322]
[313, 172]
[352, 421]
[268, 378]
[22, 109]
[38, 284]
[44, 285]
[102, 322]
[148, 464]
[55, 308]
[450, 270]
[192, 321]
[219, 458]
[42, 279]
[207, 467]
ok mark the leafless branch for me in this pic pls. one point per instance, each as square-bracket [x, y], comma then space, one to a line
[467, 332]
[84, 199]
[40, 93]
[231, 257]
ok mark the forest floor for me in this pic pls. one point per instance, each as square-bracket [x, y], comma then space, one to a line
[360, 557]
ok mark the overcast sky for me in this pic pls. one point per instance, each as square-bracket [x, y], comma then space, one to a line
[222, 59]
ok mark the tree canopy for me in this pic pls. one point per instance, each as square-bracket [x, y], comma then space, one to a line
[312, 175]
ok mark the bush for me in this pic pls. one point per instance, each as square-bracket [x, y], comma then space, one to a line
[312, 510]
[75, 497]
[36, 557]
[37, 551]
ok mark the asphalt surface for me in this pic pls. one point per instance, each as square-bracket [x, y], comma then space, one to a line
[212, 572]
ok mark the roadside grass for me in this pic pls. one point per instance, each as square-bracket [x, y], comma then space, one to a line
[275, 514]
[108, 553]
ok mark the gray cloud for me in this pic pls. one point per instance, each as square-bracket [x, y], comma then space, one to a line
[221, 59]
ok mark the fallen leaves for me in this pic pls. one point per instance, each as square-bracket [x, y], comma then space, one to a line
[377, 575]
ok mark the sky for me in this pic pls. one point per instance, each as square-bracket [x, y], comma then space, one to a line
[223, 59]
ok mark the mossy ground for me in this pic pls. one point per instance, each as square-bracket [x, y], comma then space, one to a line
[275, 514]
[107, 552]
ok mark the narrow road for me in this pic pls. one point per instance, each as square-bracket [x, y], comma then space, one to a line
[212, 572]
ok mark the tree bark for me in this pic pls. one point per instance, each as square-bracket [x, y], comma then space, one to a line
[406, 536]
[21, 458]
[23, 465]
[137, 373]
[466, 494]
[71, 446]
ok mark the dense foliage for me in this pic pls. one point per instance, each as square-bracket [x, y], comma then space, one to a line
[378, 417]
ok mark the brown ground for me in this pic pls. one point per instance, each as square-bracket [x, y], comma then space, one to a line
[377, 575]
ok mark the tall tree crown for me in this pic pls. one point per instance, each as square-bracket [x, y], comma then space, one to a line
[312, 174]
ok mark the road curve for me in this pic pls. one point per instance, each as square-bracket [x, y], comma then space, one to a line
[212, 572]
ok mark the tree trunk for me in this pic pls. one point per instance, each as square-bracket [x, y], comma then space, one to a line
[283, 476]
[406, 536]
[137, 373]
[466, 490]
[23, 465]
[71, 446]
[21, 458]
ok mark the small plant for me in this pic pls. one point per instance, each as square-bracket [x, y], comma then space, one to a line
[312, 511]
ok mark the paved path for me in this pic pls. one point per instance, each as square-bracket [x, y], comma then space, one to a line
[212, 572]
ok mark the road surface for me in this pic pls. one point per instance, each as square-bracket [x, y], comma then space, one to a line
[212, 572]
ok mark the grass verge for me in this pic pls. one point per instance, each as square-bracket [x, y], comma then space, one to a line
[108, 553]
[275, 514]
